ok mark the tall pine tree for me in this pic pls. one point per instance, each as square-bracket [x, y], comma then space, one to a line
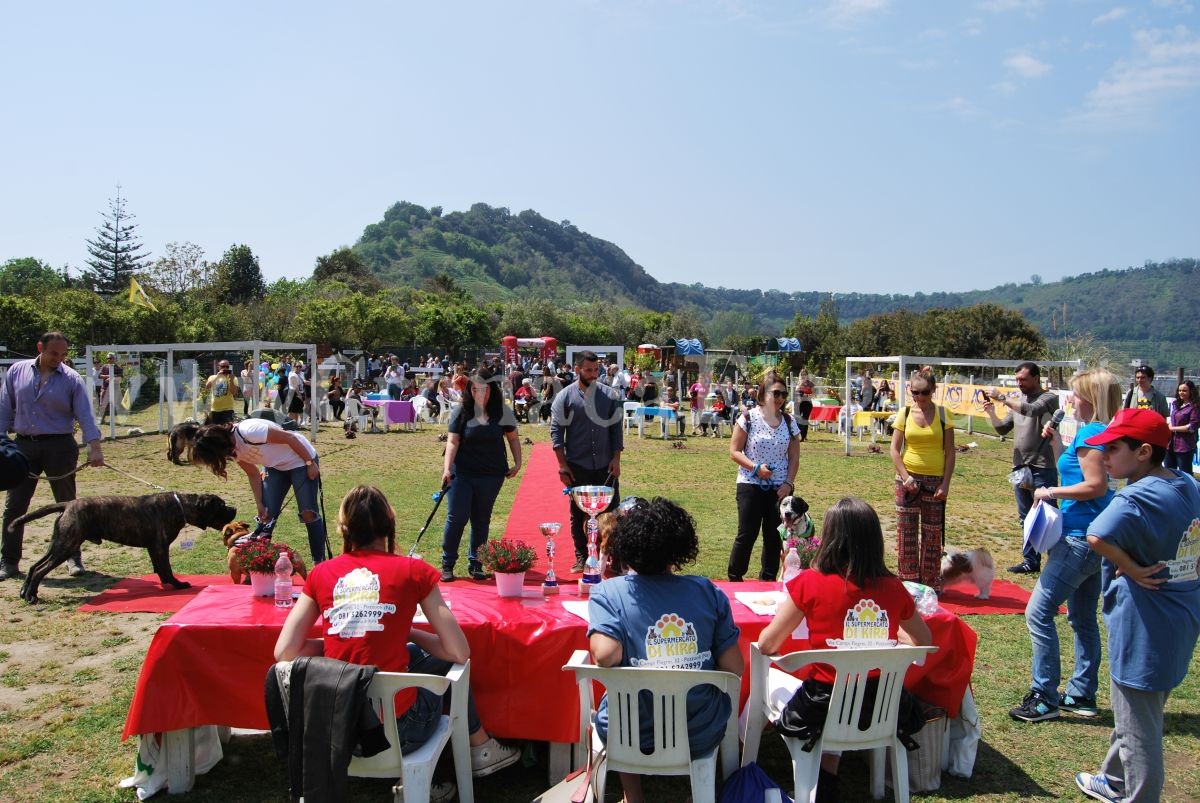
[116, 252]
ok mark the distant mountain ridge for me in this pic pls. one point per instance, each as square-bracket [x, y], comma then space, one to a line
[495, 255]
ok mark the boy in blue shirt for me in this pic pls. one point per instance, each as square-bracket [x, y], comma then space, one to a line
[1149, 537]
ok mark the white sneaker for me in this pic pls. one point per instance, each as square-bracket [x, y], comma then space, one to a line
[491, 756]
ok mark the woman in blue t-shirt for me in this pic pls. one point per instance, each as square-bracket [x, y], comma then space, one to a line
[632, 616]
[1073, 572]
[475, 468]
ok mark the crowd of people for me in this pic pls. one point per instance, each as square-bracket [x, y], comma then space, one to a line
[1134, 548]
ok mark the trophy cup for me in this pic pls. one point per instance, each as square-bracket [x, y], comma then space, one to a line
[592, 500]
[549, 530]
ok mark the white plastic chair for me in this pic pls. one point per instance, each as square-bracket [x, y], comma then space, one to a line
[672, 753]
[444, 411]
[771, 688]
[415, 770]
[355, 411]
[631, 416]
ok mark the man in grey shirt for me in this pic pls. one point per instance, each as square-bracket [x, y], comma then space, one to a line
[1028, 416]
[587, 435]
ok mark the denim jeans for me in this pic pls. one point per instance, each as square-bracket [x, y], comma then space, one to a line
[1071, 575]
[417, 724]
[275, 490]
[472, 498]
[1042, 478]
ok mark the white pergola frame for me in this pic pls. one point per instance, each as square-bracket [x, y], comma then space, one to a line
[166, 372]
[905, 360]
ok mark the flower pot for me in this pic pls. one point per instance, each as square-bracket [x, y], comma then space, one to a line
[263, 584]
[508, 584]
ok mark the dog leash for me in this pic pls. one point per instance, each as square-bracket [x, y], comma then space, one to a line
[71, 473]
[138, 479]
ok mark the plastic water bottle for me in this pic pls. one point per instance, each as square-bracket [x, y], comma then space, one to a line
[283, 581]
[791, 564]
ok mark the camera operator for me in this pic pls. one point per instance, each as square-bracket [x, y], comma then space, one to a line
[221, 389]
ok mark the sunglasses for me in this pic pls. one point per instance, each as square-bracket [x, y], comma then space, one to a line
[779, 394]
[920, 392]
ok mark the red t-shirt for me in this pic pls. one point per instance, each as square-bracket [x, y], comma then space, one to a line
[367, 599]
[838, 610]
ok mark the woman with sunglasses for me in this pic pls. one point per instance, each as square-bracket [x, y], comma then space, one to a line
[923, 453]
[766, 448]
[1183, 422]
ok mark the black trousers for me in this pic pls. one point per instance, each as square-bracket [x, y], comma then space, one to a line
[588, 476]
[803, 411]
[55, 457]
[758, 509]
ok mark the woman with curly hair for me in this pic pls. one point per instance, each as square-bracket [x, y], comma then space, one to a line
[655, 539]
[290, 462]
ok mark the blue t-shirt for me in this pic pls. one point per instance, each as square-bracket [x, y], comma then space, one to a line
[1078, 514]
[670, 621]
[1152, 634]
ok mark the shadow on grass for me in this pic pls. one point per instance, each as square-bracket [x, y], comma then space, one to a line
[994, 774]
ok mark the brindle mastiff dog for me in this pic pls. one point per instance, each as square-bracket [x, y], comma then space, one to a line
[152, 521]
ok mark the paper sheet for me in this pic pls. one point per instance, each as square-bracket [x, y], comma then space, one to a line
[577, 607]
[762, 603]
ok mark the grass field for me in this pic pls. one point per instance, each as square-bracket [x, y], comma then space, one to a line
[66, 678]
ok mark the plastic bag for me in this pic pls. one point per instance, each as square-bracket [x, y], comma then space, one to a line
[751, 785]
[1021, 477]
[963, 739]
[925, 597]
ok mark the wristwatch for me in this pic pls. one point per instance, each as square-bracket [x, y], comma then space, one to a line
[308, 462]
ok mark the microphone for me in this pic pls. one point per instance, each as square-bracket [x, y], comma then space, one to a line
[1055, 420]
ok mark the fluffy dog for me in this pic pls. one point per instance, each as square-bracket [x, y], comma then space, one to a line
[236, 533]
[975, 567]
[180, 439]
[151, 521]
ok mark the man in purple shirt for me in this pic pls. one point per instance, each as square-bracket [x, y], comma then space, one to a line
[40, 400]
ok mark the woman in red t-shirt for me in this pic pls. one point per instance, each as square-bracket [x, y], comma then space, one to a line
[367, 597]
[848, 572]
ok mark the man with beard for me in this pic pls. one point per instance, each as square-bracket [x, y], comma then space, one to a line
[586, 432]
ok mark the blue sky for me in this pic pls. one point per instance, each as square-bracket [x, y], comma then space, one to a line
[848, 145]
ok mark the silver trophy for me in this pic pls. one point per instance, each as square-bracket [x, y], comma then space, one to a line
[592, 500]
[549, 530]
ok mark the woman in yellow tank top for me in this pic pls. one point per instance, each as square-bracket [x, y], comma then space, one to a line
[923, 454]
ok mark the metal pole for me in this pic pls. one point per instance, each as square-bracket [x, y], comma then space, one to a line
[846, 408]
[970, 417]
[161, 390]
[195, 390]
[170, 370]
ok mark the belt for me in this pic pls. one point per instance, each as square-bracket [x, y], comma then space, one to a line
[44, 437]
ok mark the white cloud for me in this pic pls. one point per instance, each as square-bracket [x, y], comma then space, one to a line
[1165, 64]
[1005, 88]
[1182, 5]
[848, 13]
[1002, 6]
[957, 106]
[1111, 16]
[1026, 65]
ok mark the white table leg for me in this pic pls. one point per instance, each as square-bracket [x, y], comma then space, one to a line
[179, 755]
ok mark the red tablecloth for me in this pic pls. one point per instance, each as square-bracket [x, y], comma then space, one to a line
[394, 412]
[824, 414]
[206, 664]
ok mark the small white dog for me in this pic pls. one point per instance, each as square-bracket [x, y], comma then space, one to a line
[975, 567]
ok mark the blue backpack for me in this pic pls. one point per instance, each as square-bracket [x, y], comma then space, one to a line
[750, 785]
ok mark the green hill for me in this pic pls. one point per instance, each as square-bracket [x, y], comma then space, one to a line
[1148, 312]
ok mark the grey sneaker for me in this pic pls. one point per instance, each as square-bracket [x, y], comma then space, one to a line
[491, 756]
[1083, 706]
[1034, 708]
[1098, 787]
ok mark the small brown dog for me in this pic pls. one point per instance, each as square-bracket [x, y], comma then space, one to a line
[236, 533]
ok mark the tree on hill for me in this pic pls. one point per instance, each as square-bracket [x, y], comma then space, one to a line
[116, 252]
[345, 266]
[239, 277]
[183, 268]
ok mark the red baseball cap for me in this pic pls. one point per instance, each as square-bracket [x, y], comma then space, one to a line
[1146, 426]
